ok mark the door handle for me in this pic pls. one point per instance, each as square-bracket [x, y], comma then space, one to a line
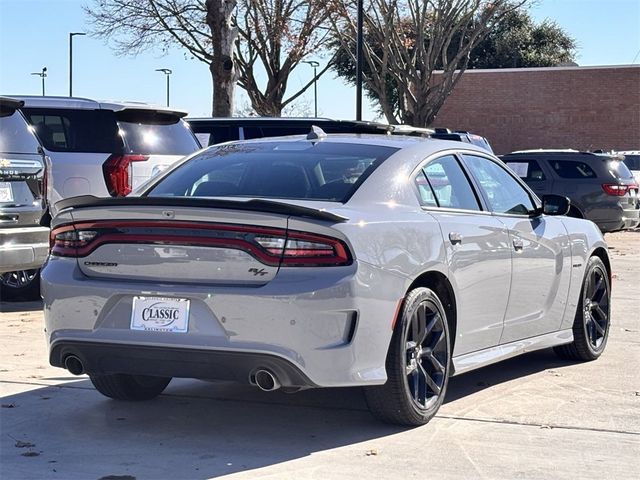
[518, 244]
[455, 237]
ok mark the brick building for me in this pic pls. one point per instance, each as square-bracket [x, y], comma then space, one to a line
[584, 108]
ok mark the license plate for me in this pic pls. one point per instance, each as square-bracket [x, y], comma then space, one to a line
[160, 314]
[6, 194]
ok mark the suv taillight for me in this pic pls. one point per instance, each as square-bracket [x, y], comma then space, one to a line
[615, 189]
[118, 173]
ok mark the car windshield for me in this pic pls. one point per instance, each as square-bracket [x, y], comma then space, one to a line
[15, 136]
[295, 170]
[148, 132]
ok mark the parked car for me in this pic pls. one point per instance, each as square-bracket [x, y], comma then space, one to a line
[211, 131]
[105, 148]
[323, 261]
[24, 240]
[601, 187]
[462, 136]
[632, 161]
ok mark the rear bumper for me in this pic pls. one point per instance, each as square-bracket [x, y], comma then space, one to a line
[108, 358]
[333, 326]
[23, 248]
[628, 219]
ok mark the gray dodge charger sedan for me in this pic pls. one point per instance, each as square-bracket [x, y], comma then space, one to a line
[390, 263]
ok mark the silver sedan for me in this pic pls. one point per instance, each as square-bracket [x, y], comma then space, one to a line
[328, 261]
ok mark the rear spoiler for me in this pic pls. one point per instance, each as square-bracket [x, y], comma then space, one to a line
[267, 206]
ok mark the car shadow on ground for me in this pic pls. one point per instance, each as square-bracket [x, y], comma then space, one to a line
[201, 429]
[496, 374]
[20, 306]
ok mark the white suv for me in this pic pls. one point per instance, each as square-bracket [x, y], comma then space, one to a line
[105, 148]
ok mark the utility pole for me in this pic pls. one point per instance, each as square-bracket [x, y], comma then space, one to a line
[359, 61]
[71, 35]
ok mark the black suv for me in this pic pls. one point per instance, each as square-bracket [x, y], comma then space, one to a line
[211, 131]
[601, 187]
[24, 240]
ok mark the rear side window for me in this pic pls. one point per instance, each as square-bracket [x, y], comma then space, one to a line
[15, 136]
[296, 170]
[148, 133]
[527, 169]
[448, 184]
[570, 169]
[66, 130]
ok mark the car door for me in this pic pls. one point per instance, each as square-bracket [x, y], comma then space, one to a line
[540, 251]
[477, 249]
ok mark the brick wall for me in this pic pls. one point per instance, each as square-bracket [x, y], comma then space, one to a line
[585, 108]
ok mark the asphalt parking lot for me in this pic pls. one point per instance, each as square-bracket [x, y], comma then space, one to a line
[529, 417]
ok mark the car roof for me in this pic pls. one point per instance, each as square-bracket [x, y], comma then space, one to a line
[78, 103]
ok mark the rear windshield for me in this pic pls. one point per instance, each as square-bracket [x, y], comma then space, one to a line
[66, 130]
[149, 133]
[295, 170]
[619, 170]
[15, 136]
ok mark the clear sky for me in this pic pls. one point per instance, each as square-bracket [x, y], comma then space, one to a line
[34, 34]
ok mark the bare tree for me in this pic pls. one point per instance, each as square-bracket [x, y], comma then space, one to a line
[420, 46]
[278, 35]
[232, 37]
[202, 27]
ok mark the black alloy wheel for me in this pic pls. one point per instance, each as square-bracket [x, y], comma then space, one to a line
[418, 363]
[426, 354]
[22, 284]
[592, 320]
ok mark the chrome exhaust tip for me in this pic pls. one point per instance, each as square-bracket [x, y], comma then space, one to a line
[266, 381]
[74, 365]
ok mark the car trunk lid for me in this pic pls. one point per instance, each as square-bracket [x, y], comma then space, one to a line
[182, 240]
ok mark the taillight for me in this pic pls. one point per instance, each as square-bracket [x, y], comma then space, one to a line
[615, 189]
[271, 246]
[300, 249]
[66, 241]
[118, 173]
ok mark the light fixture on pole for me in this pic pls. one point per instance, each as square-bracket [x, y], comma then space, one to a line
[71, 35]
[42, 75]
[167, 72]
[315, 65]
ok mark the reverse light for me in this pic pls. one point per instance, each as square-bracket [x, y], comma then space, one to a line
[118, 173]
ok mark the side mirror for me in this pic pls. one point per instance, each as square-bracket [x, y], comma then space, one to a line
[555, 205]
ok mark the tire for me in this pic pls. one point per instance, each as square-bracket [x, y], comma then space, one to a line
[592, 320]
[20, 285]
[129, 387]
[417, 371]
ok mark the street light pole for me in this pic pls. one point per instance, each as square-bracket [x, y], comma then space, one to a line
[167, 72]
[359, 61]
[42, 75]
[315, 65]
[71, 35]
